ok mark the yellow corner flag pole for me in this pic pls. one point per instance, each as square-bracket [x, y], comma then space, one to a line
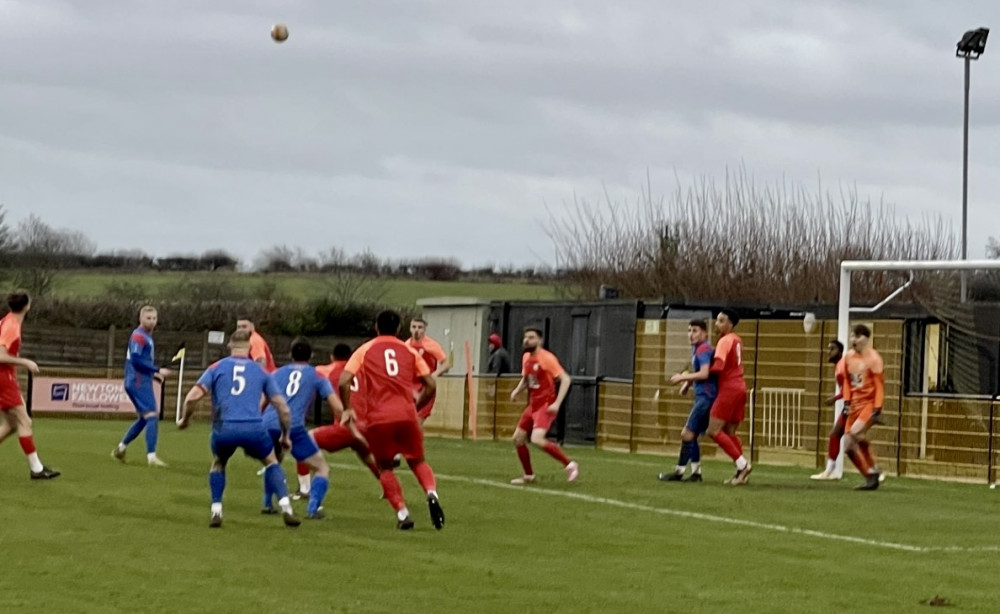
[180, 380]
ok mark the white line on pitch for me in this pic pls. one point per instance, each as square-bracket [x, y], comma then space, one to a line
[778, 528]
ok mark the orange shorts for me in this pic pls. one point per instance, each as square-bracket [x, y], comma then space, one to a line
[863, 413]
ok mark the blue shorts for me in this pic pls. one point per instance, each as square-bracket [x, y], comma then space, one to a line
[142, 398]
[303, 445]
[251, 436]
[698, 418]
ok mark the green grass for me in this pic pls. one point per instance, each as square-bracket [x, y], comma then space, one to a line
[87, 284]
[111, 538]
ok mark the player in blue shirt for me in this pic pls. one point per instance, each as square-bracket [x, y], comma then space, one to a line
[237, 384]
[300, 385]
[705, 391]
[140, 373]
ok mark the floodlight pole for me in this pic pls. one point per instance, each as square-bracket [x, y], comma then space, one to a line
[965, 178]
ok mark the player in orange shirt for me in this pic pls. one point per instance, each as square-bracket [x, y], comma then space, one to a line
[260, 351]
[386, 369]
[13, 412]
[435, 357]
[863, 396]
[540, 370]
[730, 403]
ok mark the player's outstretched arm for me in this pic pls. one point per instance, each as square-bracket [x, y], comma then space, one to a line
[336, 407]
[517, 389]
[344, 387]
[430, 384]
[284, 417]
[193, 396]
[7, 359]
[443, 365]
[565, 381]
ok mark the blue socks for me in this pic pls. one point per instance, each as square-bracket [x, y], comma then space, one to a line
[217, 482]
[134, 430]
[268, 494]
[685, 454]
[152, 430]
[319, 487]
[274, 480]
[690, 452]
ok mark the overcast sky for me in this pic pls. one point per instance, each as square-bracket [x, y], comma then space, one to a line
[445, 127]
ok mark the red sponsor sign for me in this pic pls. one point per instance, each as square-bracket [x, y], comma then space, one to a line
[71, 394]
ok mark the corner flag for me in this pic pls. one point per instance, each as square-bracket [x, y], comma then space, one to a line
[180, 353]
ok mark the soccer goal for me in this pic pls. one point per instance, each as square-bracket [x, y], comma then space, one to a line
[946, 342]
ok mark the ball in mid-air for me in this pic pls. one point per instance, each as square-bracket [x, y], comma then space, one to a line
[279, 32]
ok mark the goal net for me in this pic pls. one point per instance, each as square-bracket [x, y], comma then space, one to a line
[942, 357]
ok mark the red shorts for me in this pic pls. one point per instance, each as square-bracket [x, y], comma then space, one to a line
[334, 437]
[424, 411]
[10, 394]
[536, 418]
[729, 405]
[387, 439]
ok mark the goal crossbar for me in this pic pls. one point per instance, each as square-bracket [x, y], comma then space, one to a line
[849, 266]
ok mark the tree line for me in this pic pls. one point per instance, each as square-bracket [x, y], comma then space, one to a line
[738, 240]
[33, 254]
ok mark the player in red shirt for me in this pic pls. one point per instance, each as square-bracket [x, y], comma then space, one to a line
[839, 361]
[540, 370]
[386, 369]
[13, 412]
[729, 406]
[863, 398]
[335, 437]
[435, 357]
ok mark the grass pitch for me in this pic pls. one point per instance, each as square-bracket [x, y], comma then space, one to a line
[107, 537]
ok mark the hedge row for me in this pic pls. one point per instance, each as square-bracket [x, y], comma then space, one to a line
[282, 317]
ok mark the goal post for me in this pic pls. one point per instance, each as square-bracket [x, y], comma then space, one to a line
[944, 294]
[849, 266]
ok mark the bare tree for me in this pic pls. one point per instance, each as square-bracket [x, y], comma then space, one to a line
[7, 246]
[367, 262]
[346, 287]
[333, 258]
[737, 240]
[992, 248]
[75, 243]
[276, 259]
[39, 254]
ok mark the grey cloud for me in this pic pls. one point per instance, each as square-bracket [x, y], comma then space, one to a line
[460, 119]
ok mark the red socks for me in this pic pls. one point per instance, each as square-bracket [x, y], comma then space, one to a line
[524, 455]
[27, 444]
[302, 468]
[391, 489]
[834, 447]
[556, 452]
[424, 475]
[728, 444]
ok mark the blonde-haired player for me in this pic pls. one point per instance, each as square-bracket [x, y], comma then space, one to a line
[140, 374]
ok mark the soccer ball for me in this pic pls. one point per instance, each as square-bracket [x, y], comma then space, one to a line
[279, 32]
